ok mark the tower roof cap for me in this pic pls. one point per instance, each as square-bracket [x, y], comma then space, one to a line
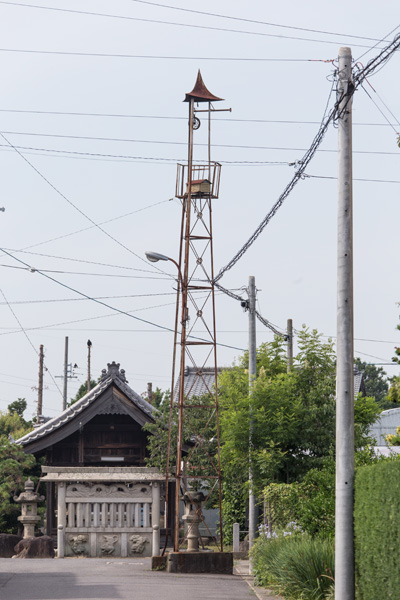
[200, 93]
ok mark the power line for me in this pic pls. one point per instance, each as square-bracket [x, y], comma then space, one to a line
[354, 179]
[74, 205]
[230, 17]
[378, 42]
[173, 160]
[55, 300]
[155, 57]
[117, 310]
[302, 165]
[358, 80]
[80, 260]
[10, 331]
[86, 274]
[174, 23]
[93, 226]
[380, 110]
[145, 159]
[243, 302]
[28, 338]
[216, 119]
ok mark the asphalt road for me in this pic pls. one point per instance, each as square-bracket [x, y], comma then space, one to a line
[104, 579]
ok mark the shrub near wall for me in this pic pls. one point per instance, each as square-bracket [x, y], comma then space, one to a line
[377, 531]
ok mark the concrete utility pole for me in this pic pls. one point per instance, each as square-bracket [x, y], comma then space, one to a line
[40, 386]
[89, 345]
[289, 345]
[65, 374]
[252, 377]
[344, 550]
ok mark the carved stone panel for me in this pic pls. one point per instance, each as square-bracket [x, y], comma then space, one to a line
[101, 490]
[139, 545]
[77, 545]
[108, 544]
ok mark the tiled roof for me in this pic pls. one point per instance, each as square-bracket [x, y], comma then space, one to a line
[197, 382]
[359, 385]
[112, 376]
[200, 384]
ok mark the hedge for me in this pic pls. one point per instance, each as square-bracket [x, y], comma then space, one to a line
[377, 531]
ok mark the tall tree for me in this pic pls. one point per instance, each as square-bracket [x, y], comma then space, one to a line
[376, 383]
[293, 419]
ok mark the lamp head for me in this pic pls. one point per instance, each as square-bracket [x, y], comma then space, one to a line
[155, 256]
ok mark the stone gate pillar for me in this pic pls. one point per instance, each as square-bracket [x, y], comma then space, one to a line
[61, 518]
[155, 517]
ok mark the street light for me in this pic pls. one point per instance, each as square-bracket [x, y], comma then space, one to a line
[155, 257]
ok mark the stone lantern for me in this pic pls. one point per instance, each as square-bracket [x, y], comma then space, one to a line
[29, 501]
[193, 502]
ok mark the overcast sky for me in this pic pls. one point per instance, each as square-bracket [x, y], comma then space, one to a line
[114, 164]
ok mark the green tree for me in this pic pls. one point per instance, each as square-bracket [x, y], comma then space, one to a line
[293, 418]
[396, 357]
[15, 465]
[376, 383]
[15, 468]
[82, 391]
[17, 407]
[198, 437]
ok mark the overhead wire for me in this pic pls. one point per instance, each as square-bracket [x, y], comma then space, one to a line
[358, 79]
[100, 302]
[222, 161]
[155, 57]
[243, 302]
[256, 21]
[79, 260]
[308, 176]
[378, 42]
[62, 195]
[380, 110]
[173, 23]
[85, 273]
[27, 337]
[216, 119]
[59, 237]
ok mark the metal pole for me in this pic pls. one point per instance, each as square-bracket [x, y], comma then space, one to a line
[89, 345]
[344, 550]
[65, 374]
[252, 377]
[40, 386]
[184, 318]
[289, 345]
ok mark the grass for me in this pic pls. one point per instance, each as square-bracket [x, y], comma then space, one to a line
[297, 567]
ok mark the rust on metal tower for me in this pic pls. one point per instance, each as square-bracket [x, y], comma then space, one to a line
[200, 93]
[198, 462]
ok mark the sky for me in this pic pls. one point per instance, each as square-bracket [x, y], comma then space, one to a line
[92, 126]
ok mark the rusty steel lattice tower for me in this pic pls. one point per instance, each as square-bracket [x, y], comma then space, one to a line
[198, 471]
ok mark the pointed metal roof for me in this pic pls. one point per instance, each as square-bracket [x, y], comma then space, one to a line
[200, 93]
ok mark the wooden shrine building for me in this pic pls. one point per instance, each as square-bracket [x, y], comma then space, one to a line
[101, 498]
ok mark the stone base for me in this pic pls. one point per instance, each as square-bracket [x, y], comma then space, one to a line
[7, 544]
[240, 555]
[39, 547]
[200, 562]
[159, 563]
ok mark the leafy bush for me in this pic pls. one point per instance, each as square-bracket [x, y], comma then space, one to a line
[310, 503]
[377, 530]
[295, 566]
[15, 468]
